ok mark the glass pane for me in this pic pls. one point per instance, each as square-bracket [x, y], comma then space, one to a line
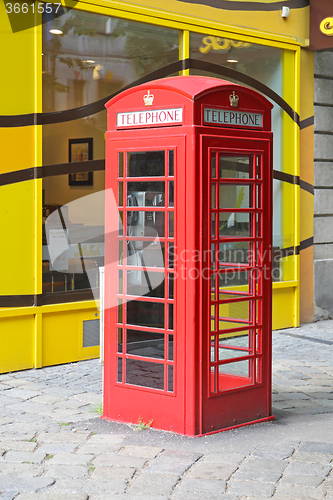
[147, 344]
[213, 225]
[170, 348]
[120, 223]
[171, 194]
[235, 196]
[170, 378]
[171, 216]
[147, 224]
[235, 167]
[145, 253]
[120, 282]
[121, 164]
[171, 255]
[171, 282]
[120, 193]
[234, 253]
[120, 252]
[145, 313]
[213, 165]
[120, 311]
[213, 201]
[170, 320]
[145, 373]
[233, 278]
[233, 375]
[146, 164]
[97, 55]
[120, 339]
[234, 224]
[145, 194]
[120, 370]
[233, 347]
[145, 283]
[212, 349]
[171, 163]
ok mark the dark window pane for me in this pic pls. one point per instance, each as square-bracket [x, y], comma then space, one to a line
[171, 194]
[121, 164]
[170, 348]
[148, 344]
[170, 378]
[147, 224]
[145, 373]
[171, 163]
[146, 164]
[145, 313]
[145, 253]
[171, 281]
[120, 339]
[147, 194]
[146, 283]
[120, 311]
[170, 316]
[120, 370]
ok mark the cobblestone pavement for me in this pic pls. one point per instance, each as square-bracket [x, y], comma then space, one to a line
[54, 446]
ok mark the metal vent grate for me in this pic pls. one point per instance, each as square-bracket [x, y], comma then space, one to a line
[91, 333]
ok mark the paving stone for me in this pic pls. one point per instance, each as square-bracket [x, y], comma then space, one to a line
[256, 490]
[276, 452]
[127, 496]
[224, 458]
[106, 439]
[23, 456]
[30, 470]
[303, 480]
[184, 495]
[264, 464]
[316, 447]
[11, 445]
[53, 448]
[8, 495]
[66, 471]
[298, 492]
[21, 484]
[46, 437]
[47, 399]
[211, 471]
[202, 486]
[70, 459]
[51, 496]
[22, 393]
[107, 473]
[88, 486]
[168, 466]
[265, 476]
[312, 469]
[88, 398]
[156, 484]
[140, 451]
[118, 460]
[322, 458]
[97, 449]
[181, 454]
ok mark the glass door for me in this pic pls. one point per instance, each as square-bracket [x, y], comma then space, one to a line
[238, 239]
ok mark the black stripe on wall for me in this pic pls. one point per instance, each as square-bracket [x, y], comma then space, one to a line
[249, 6]
[98, 106]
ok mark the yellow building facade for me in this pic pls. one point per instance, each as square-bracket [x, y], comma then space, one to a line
[62, 64]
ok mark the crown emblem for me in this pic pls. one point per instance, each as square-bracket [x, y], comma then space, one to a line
[233, 100]
[148, 99]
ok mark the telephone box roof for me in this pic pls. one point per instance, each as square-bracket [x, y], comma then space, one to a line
[191, 87]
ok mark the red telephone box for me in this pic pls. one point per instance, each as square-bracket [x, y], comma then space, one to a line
[188, 274]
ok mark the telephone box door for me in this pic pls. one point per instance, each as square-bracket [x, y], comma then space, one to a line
[145, 353]
[237, 298]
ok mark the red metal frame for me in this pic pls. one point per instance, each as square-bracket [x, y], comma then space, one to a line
[203, 399]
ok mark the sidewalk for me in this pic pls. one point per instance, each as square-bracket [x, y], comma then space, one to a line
[53, 446]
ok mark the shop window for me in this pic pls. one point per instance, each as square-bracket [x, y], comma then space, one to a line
[91, 58]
